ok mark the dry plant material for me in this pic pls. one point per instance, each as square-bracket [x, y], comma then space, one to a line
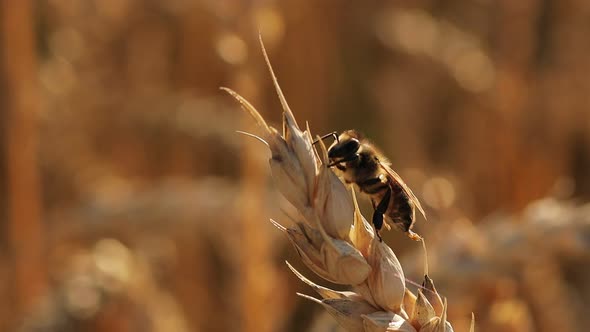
[336, 242]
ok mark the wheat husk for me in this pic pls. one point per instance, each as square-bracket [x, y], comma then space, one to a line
[335, 241]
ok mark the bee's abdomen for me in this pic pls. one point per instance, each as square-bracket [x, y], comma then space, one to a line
[400, 209]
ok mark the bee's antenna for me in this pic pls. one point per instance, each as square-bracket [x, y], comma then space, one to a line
[332, 134]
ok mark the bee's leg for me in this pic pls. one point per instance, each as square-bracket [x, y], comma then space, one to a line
[378, 222]
[332, 134]
[380, 210]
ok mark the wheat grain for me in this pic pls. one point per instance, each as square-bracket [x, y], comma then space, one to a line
[336, 242]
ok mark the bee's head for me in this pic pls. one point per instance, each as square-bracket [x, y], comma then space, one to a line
[345, 147]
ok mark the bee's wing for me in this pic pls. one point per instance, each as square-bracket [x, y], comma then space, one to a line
[404, 186]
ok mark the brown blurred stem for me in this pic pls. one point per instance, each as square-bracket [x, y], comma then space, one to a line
[20, 106]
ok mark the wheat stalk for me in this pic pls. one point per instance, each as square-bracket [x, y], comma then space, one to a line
[336, 242]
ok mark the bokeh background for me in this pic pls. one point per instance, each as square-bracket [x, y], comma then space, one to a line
[129, 203]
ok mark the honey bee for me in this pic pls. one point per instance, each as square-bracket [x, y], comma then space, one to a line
[361, 163]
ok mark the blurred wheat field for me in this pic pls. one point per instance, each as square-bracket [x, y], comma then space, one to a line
[129, 203]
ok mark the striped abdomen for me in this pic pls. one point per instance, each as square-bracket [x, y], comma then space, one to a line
[400, 211]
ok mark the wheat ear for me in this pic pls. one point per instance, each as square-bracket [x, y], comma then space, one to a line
[336, 242]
